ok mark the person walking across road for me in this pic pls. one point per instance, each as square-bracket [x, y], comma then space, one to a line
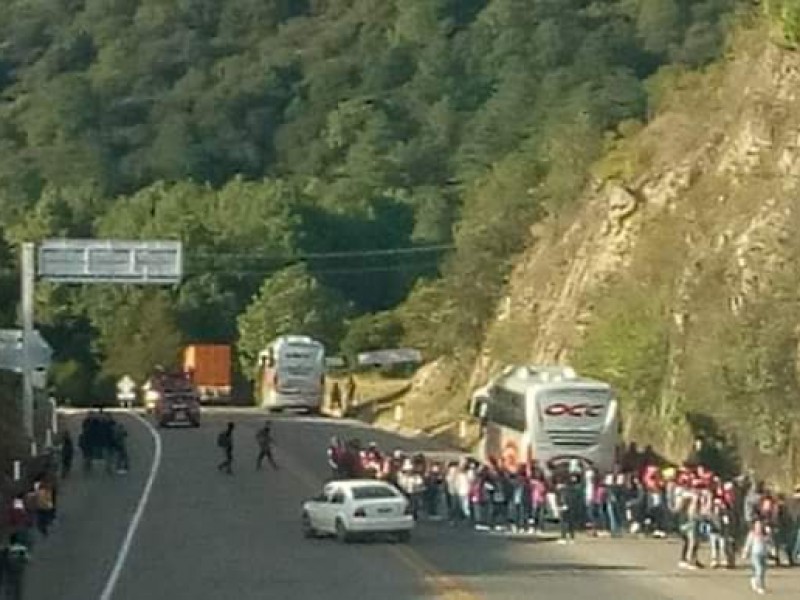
[225, 442]
[265, 443]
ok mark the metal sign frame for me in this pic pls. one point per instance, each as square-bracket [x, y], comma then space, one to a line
[158, 262]
[137, 262]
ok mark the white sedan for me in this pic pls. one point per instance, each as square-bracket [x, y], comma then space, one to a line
[358, 507]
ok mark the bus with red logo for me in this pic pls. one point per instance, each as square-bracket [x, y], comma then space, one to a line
[292, 374]
[550, 415]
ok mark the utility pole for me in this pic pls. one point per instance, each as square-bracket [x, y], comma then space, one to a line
[27, 282]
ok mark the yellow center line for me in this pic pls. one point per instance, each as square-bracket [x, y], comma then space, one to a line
[442, 585]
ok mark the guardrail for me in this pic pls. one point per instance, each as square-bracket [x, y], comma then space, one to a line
[367, 410]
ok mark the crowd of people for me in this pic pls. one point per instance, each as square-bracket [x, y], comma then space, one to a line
[29, 515]
[104, 438]
[31, 510]
[641, 495]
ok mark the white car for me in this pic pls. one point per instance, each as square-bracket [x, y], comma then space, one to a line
[356, 507]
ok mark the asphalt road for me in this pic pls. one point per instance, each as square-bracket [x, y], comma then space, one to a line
[208, 536]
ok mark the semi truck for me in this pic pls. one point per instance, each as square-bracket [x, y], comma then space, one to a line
[209, 367]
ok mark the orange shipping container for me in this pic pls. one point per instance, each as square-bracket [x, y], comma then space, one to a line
[210, 364]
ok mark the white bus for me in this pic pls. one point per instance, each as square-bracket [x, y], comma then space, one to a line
[292, 374]
[547, 414]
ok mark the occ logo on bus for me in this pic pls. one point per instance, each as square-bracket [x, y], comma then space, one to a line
[575, 410]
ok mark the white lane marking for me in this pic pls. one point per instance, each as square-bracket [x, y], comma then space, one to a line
[122, 555]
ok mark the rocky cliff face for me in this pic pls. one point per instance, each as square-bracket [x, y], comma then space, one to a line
[677, 258]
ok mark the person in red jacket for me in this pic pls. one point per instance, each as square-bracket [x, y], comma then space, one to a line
[19, 519]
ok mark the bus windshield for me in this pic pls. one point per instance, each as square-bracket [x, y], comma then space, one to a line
[302, 360]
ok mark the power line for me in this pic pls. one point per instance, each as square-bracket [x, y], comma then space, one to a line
[342, 271]
[324, 255]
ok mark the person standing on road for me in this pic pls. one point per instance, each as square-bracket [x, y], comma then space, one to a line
[265, 442]
[225, 442]
[690, 529]
[569, 500]
[19, 519]
[105, 440]
[67, 454]
[14, 558]
[45, 507]
[793, 512]
[349, 393]
[120, 441]
[719, 525]
[757, 549]
[335, 453]
[336, 399]
[86, 443]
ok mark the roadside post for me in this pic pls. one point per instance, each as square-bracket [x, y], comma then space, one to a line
[27, 275]
[53, 415]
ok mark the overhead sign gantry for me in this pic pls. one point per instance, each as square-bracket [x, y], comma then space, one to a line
[81, 261]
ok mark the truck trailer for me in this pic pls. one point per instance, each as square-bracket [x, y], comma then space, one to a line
[209, 367]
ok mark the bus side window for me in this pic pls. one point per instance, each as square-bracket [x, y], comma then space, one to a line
[508, 410]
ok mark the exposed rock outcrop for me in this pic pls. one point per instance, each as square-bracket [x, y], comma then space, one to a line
[719, 193]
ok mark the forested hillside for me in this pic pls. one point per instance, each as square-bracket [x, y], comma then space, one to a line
[363, 169]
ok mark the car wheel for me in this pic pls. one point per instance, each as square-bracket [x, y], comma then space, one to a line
[308, 529]
[341, 532]
[403, 537]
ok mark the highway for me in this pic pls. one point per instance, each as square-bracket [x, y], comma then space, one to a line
[204, 535]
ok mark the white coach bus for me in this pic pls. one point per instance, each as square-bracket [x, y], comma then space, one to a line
[292, 374]
[547, 414]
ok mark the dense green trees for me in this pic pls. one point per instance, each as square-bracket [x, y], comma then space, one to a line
[291, 301]
[786, 14]
[266, 134]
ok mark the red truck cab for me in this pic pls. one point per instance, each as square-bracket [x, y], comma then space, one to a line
[175, 399]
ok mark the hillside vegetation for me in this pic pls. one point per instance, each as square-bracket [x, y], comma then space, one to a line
[286, 141]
